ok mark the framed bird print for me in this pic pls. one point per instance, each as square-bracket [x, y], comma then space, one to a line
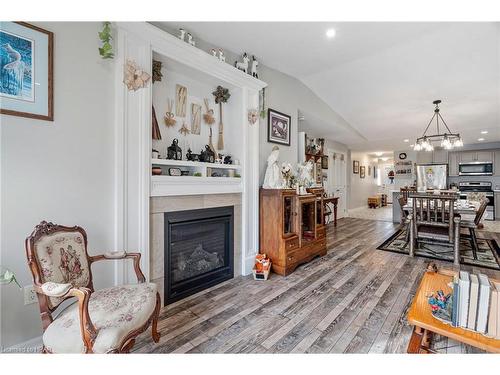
[26, 71]
[278, 127]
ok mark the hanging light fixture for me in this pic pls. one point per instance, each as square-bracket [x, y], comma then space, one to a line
[447, 139]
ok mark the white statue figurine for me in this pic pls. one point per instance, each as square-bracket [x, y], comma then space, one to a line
[182, 34]
[243, 65]
[273, 179]
[221, 55]
[255, 64]
[306, 174]
[214, 52]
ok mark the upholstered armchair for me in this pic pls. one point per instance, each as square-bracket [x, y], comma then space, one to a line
[102, 321]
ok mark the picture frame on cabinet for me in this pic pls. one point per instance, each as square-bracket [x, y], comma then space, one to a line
[324, 162]
[26, 58]
[355, 166]
[278, 127]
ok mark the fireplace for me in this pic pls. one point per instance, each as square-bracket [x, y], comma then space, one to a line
[198, 250]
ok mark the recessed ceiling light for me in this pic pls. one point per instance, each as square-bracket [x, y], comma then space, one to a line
[412, 145]
[480, 139]
[330, 33]
[379, 153]
[484, 131]
[406, 140]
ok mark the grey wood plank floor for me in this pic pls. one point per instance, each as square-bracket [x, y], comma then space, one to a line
[353, 300]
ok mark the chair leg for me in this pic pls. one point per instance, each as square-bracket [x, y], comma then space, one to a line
[154, 325]
[412, 238]
[475, 246]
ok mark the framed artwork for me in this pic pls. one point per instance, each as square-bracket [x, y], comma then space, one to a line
[195, 119]
[324, 162]
[180, 100]
[355, 166]
[278, 127]
[362, 171]
[26, 71]
[375, 172]
[369, 170]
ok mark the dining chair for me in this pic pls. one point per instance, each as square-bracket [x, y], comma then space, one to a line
[433, 221]
[405, 192]
[404, 225]
[473, 225]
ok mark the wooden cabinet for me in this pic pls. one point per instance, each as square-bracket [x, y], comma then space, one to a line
[292, 231]
[453, 163]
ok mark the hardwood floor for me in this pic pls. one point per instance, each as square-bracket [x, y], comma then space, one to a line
[353, 300]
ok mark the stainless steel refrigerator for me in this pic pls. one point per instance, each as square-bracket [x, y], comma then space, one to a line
[432, 176]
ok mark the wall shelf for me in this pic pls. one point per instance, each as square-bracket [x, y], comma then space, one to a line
[199, 164]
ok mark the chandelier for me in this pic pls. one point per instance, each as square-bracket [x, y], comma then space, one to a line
[447, 139]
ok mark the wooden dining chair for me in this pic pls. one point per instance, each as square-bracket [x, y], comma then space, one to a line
[433, 221]
[405, 192]
[473, 225]
[404, 224]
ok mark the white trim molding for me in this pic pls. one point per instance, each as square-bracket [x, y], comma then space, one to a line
[133, 182]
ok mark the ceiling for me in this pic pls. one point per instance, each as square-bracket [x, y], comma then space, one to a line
[381, 77]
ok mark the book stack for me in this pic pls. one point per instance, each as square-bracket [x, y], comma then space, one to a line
[476, 304]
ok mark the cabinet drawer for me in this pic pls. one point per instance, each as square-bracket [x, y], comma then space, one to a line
[292, 244]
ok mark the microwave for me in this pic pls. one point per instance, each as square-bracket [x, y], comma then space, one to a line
[477, 168]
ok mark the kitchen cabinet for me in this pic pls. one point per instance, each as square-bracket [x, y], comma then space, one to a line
[434, 157]
[473, 156]
[496, 166]
[453, 163]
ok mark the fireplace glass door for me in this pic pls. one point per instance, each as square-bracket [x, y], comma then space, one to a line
[198, 250]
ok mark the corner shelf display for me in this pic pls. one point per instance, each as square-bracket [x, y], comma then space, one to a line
[403, 168]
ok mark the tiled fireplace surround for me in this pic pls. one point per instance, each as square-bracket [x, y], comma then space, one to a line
[160, 205]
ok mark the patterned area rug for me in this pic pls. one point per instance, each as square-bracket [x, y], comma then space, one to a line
[488, 254]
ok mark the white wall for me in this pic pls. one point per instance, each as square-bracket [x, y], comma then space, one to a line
[361, 188]
[60, 171]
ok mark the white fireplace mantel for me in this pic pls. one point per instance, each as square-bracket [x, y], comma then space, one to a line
[137, 41]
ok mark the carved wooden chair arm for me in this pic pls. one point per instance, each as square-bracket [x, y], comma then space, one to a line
[114, 255]
[87, 328]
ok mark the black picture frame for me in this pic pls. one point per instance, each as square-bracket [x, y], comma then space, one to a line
[355, 166]
[273, 118]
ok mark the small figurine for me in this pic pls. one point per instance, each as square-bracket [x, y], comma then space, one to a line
[222, 57]
[192, 157]
[255, 64]
[243, 66]
[182, 34]
[174, 152]
[190, 39]
[213, 52]
[227, 159]
[207, 155]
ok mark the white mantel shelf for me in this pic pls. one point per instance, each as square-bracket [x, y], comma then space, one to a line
[190, 185]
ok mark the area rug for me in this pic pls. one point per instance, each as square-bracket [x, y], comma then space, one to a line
[488, 253]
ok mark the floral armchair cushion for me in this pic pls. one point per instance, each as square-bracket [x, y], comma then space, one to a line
[115, 312]
[63, 259]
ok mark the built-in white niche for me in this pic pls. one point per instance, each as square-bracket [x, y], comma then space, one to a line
[197, 175]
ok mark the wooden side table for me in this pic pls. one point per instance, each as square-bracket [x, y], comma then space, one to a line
[426, 325]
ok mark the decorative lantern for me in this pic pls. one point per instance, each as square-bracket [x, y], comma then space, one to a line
[208, 156]
[174, 151]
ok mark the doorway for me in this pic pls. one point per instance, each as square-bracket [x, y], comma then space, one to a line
[337, 179]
